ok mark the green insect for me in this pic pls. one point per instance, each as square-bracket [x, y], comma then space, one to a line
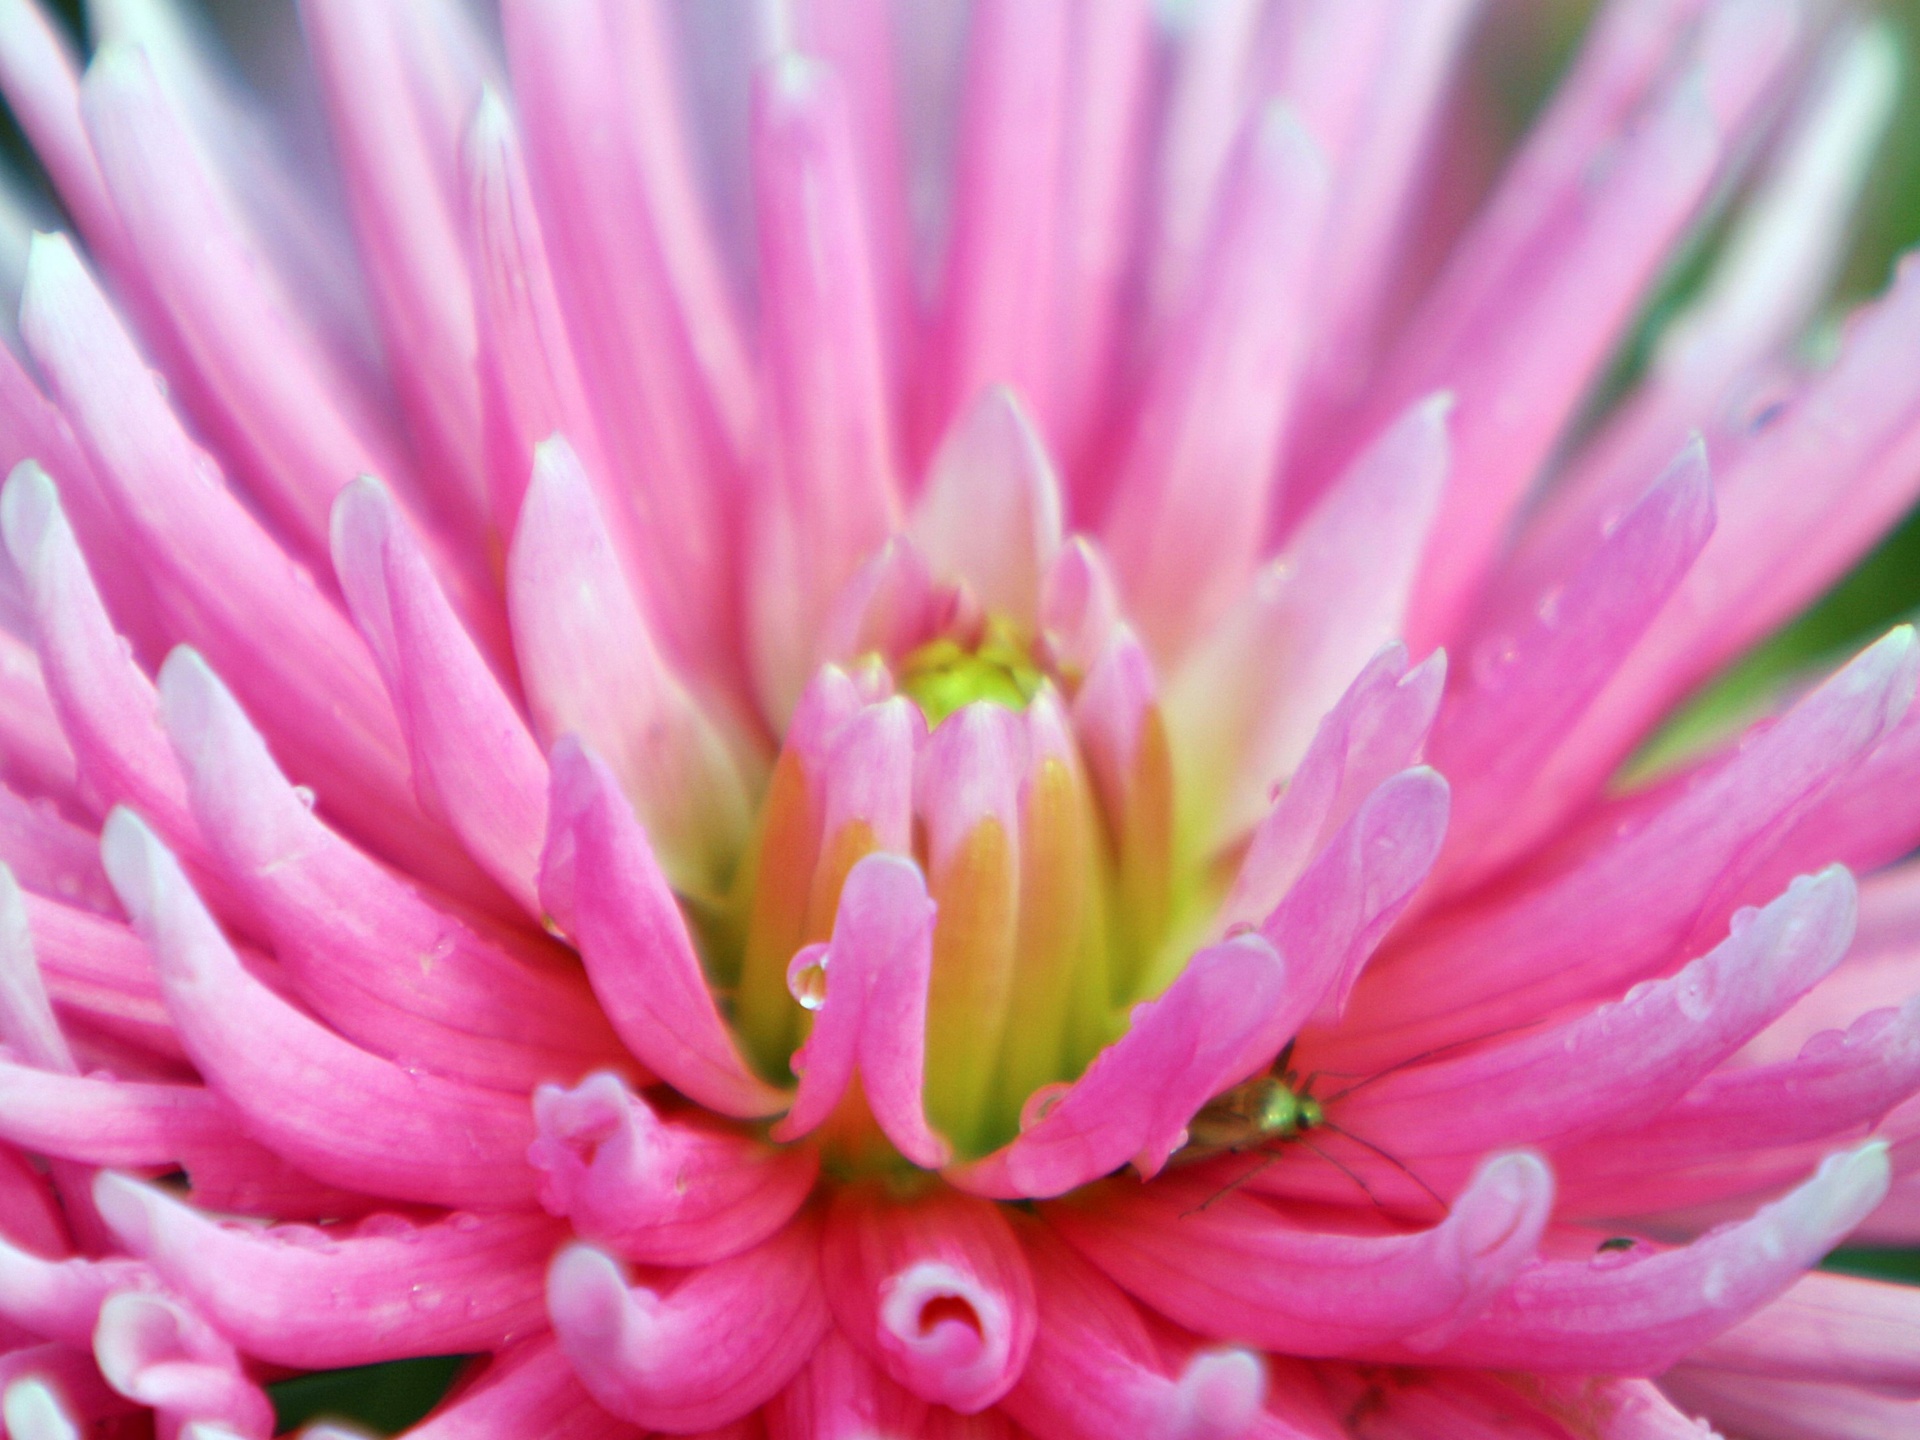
[1270, 1111]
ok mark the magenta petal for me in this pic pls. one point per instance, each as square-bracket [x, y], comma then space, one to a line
[875, 1012]
[96, 1120]
[599, 878]
[840, 1392]
[414, 1136]
[1240, 1268]
[322, 1299]
[474, 764]
[934, 1290]
[680, 1191]
[528, 1390]
[1640, 1310]
[61, 1299]
[705, 1347]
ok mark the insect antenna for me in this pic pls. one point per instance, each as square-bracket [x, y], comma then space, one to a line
[1262, 1163]
[1344, 1169]
[1413, 1060]
[1394, 1161]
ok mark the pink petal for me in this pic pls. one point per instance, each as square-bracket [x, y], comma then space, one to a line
[1232, 1265]
[875, 1010]
[1192, 501]
[663, 1191]
[1376, 730]
[27, 1023]
[61, 1299]
[158, 1352]
[840, 1393]
[590, 667]
[414, 1136]
[1531, 945]
[528, 1390]
[1135, 1099]
[1244, 709]
[1652, 1046]
[1525, 686]
[488, 1007]
[600, 878]
[707, 1347]
[1638, 1311]
[934, 1290]
[96, 1120]
[1095, 1372]
[1773, 1409]
[323, 1299]
[990, 513]
[474, 763]
[1836, 1328]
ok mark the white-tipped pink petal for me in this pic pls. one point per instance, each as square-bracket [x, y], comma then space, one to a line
[158, 1352]
[474, 763]
[323, 1299]
[1195, 492]
[1528, 676]
[874, 1013]
[1096, 1372]
[678, 1190]
[490, 1006]
[1233, 1266]
[990, 514]
[1135, 1099]
[935, 1291]
[27, 1023]
[414, 1136]
[1652, 1045]
[705, 1347]
[31, 1409]
[1243, 710]
[599, 879]
[61, 1299]
[1376, 730]
[591, 667]
[1639, 1310]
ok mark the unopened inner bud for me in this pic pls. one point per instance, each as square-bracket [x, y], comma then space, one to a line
[944, 675]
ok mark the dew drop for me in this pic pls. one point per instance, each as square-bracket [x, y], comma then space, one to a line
[1493, 661]
[304, 794]
[1041, 1103]
[807, 977]
[1549, 607]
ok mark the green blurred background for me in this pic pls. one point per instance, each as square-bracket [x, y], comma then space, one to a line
[1517, 60]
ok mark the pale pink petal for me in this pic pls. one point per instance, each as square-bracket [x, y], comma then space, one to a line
[414, 1136]
[590, 667]
[1766, 1408]
[323, 1299]
[682, 1190]
[704, 1347]
[874, 1012]
[990, 513]
[97, 1120]
[61, 1299]
[599, 878]
[1377, 730]
[475, 766]
[934, 1290]
[1243, 711]
[27, 1023]
[1836, 1328]
[160, 1353]
[487, 1006]
[1233, 1266]
[31, 1409]
[1191, 505]
[1135, 1099]
[1639, 1310]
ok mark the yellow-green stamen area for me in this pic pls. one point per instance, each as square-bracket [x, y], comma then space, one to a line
[943, 675]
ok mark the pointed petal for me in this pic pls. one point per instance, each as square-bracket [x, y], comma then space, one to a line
[600, 878]
[413, 1136]
[1137, 1096]
[1232, 1265]
[681, 1191]
[990, 513]
[934, 1290]
[720, 1342]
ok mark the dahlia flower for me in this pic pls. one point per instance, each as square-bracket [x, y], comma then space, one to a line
[835, 720]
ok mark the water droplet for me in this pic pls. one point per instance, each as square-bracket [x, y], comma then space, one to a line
[1040, 1104]
[1693, 997]
[1493, 661]
[304, 794]
[1549, 607]
[807, 977]
[464, 1220]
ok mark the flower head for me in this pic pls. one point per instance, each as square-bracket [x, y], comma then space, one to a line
[782, 757]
